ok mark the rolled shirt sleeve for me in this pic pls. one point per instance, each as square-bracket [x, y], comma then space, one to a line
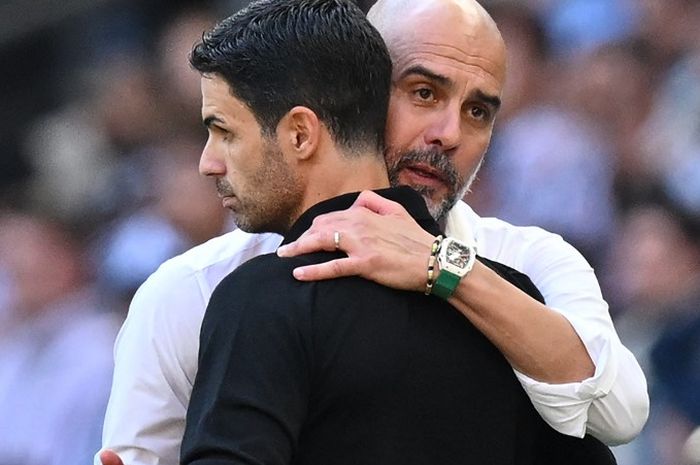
[613, 404]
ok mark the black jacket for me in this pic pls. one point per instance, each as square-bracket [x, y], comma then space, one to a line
[346, 371]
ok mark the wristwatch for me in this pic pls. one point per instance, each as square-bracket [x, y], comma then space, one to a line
[456, 259]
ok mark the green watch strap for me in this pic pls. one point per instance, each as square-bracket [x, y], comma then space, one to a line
[445, 284]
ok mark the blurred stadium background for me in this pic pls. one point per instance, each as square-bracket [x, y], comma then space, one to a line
[599, 141]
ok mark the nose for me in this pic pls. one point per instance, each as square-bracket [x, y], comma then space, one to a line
[446, 129]
[210, 162]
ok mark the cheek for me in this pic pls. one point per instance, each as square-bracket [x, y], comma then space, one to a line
[238, 154]
[475, 139]
[470, 154]
[246, 158]
[403, 127]
[231, 160]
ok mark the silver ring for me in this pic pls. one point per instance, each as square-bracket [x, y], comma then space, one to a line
[336, 239]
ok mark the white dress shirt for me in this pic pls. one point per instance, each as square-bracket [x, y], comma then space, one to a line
[157, 348]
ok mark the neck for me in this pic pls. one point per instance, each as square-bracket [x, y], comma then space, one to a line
[342, 175]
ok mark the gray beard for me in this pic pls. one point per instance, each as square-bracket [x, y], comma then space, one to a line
[457, 185]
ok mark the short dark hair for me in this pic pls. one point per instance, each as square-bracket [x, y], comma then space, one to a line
[322, 54]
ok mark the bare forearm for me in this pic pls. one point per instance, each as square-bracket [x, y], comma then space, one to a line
[391, 249]
[536, 340]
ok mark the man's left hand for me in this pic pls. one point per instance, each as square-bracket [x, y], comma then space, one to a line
[383, 242]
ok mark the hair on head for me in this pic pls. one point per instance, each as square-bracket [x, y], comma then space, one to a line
[322, 54]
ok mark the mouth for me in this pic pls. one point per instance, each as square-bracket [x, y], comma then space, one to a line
[227, 200]
[423, 174]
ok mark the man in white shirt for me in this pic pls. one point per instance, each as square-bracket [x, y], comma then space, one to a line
[449, 67]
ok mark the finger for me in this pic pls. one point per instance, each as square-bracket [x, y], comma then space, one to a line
[378, 204]
[310, 241]
[109, 457]
[328, 270]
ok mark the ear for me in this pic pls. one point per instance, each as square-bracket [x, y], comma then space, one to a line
[300, 131]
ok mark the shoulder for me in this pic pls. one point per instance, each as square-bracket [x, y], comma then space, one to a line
[265, 286]
[562, 275]
[263, 279]
[261, 297]
[193, 275]
[170, 304]
[217, 257]
[520, 247]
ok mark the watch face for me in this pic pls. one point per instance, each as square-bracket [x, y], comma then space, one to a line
[458, 254]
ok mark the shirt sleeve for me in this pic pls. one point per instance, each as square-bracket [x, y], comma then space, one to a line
[613, 404]
[155, 359]
[250, 395]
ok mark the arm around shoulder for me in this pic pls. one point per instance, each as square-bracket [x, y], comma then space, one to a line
[613, 404]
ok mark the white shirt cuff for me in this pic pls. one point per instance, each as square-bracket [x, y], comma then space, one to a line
[565, 406]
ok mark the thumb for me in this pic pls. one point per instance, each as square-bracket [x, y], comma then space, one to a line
[109, 457]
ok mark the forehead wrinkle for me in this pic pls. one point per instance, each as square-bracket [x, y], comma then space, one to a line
[465, 59]
[477, 64]
[434, 55]
[443, 56]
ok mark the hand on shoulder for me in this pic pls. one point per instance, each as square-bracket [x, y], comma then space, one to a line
[382, 241]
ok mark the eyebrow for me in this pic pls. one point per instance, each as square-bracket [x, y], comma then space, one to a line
[425, 72]
[491, 100]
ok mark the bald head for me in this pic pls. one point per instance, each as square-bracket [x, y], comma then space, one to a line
[394, 10]
[464, 24]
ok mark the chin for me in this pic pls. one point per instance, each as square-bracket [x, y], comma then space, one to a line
[244, 223]
[258, 227]
[428, 193]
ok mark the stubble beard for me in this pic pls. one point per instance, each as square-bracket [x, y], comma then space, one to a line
[456, 184]
[274, 198]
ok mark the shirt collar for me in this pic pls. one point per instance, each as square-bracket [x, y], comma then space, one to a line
[407, 197]
[461, 223]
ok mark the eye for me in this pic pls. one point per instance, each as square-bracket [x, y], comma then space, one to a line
[425, 94]
[479, 113]
[224, 134]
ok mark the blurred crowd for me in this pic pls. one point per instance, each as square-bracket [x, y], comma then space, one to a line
[598, 140]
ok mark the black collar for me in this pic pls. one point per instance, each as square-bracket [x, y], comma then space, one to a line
[407, 197]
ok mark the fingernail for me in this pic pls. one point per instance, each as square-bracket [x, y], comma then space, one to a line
[298, 273]
[281, 251]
